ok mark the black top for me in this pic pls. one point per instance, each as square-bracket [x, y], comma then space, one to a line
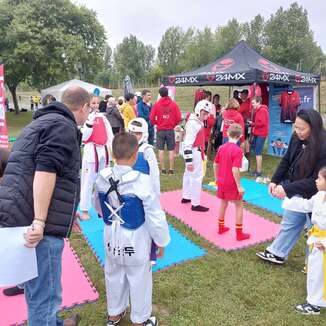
[287, 172]
[49, 143]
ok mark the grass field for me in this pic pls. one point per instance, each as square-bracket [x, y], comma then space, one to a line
[222, 288]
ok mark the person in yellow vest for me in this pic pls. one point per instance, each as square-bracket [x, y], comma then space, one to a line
[97, 137]
[128, 111]
[316, 274]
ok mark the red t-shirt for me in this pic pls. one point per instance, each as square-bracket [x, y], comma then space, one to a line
[228, 156]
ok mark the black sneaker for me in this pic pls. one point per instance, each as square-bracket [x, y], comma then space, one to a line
[171, 171]
[152, 321]
[266, 255]
[185, 201]
[199, 208]
[15, 290]
[307, 309]
[163, 171]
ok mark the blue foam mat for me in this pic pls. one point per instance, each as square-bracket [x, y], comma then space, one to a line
[257, 194]
[180, 248]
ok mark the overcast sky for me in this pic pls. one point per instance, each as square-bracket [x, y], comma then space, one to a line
[149, 19]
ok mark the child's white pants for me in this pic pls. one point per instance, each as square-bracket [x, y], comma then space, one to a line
[124, 281]
[192, 181]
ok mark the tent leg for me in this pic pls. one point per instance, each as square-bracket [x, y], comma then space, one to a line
[229, 92]
[319, 108]
[250, 133]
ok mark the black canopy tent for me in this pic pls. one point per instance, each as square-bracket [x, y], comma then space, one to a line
[241, 66]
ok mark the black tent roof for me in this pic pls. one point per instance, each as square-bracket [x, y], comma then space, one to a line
[241, 66]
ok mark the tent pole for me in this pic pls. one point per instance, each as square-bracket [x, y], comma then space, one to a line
[319, 108]
[250, 131]
[229, 92]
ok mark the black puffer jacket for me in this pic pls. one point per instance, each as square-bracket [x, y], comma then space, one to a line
[49, 143]
[288, 171]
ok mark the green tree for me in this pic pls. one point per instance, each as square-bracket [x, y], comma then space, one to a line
[172, 49]
[155, 74]
[289, 39]
[108, 57]
[228, 36]
[201, 49]
[132, 57]
[253, 33]
[46, 42]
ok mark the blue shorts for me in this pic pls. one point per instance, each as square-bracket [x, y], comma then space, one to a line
[258, 144]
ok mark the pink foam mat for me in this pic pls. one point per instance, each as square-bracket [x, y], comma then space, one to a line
[77, 290]
[205, 224]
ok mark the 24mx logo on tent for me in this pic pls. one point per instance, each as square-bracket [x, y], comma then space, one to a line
[276, 77]
[226, 77]
[185, 80]
[305, 79]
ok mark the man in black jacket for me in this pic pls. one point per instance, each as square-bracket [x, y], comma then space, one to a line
[40, 189]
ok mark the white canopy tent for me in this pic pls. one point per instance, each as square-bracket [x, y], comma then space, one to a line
[58, 90]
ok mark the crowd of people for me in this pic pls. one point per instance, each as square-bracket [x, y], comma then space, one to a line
[120, 177]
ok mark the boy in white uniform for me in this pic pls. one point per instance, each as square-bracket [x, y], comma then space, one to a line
[97, 137]
[316, 274]
[133, 218]
[193, 149]
[146, 158]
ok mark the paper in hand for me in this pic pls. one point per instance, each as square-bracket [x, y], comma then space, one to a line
[18, 263]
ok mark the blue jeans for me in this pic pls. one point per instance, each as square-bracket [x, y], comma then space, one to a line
[291, 227]
[43, 294]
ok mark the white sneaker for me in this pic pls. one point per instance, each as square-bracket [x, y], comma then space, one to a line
[152, 321]
[259, 179]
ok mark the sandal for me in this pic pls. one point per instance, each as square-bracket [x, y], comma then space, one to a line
[116, 322]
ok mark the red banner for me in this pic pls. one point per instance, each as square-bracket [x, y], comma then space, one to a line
[3, 125]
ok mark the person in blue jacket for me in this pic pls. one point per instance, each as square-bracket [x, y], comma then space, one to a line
[144, 109]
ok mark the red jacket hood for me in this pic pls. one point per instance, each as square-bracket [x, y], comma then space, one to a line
[261, 107]
[230, 113]
[165, 101]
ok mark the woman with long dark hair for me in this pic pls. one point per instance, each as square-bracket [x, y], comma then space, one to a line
[296, 175]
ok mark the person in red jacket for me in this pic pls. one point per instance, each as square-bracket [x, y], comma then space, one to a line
[165, 114]
[230, 116]
[260, 129]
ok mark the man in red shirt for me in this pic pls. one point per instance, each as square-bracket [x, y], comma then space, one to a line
[227, 164]
[165, 114]
[260, 129]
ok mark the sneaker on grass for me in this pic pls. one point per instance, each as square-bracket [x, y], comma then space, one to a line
[152, 321]
[307, 309]
[268, 256]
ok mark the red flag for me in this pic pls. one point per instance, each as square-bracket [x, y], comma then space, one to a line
[3, 125]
